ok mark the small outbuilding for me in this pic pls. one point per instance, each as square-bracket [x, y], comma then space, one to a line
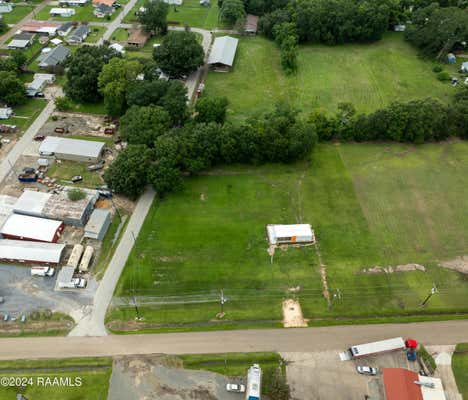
[137, 38]
[72, 149]
[251, 25]
[5, 7]
[24, 227]
[451, 58]
[38, 84]
[21, 251]
[464, 67]
[173, 2]
[290, 234]
[117, 47]
[64, 277]
[6, 112]
[98, 224]
[41, 27]
[73, 3]
[223, 52]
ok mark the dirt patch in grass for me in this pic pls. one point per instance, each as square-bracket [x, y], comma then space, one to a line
[459, 264]
[390, 270]
[292, 315]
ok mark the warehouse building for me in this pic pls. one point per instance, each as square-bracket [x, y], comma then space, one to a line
[72, 149]
[57, 206]
[21, 251]
[290, 234]
[23, 227]
[7, 204]
[402, 384]
[98, 224]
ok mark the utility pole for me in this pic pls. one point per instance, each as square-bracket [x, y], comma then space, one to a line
[222, 300]
[431, 293]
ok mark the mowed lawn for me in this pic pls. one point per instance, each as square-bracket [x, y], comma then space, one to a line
[82, 14]
[460, 368]
[368, 75]
[18, 13]
[370, 205]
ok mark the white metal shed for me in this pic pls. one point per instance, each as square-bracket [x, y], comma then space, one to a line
[30, 252]
[295, 233]
[223, 51]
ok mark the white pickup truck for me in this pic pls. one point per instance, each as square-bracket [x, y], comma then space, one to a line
[75, 283]
[42, 271]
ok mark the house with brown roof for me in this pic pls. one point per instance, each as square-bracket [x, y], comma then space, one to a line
[137, 38]
[108, 3]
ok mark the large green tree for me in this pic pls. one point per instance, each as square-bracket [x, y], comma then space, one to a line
[232, 11]
[211, 109]
[84, 67]
[12, 89]
[128, 173]
[179, 54]
[142, 125]
[154, 16]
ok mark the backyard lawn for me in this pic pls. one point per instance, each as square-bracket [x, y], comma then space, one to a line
[190, 13]
[65, 170]
[94, 374]
[369, 205]
[95, 34]
[18, 13]
[460, 368]
[82, 14]
[368, 75]
[26, 113]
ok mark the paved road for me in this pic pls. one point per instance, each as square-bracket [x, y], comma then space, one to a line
[24, 142]
[282, 340]
[112, 26]
[93, 323]
[5, 37]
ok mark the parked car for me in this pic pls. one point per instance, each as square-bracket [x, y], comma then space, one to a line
[365, 370]
[60, 129]
[42, 271]
[76, 178]
[79, 283]
[39, 94]
[39, 138]
[235, 387]
[107, 194]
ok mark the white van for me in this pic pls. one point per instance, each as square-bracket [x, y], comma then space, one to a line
[42, 271]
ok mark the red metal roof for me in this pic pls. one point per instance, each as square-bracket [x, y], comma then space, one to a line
[399, 384]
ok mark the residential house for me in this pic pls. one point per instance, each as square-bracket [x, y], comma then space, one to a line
[38, 84]
[65, 29]
[79, 35]
[41, 27]
[5, 7]
[61, 12]
[103, 10]
[54, 57]
[21, 40]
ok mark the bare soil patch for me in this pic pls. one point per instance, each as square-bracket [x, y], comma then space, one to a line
[391, 269]
[459, 264]
[292, 315]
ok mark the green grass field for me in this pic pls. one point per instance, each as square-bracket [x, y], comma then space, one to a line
[120, 35]
[460, 368]
[190, 13]
[82, 14]
[26, 113]
[369, 205]
[67, 169]
[368, 75]
[18, 13]
[93, 373]
[95, 34]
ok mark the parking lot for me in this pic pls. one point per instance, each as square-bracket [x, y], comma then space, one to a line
[323, 376]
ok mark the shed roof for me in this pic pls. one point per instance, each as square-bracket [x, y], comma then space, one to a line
[39, 80]
[97, 220]
[292, 230]
[399, 384]
[32, 202]
[65, 274]
[251, 23]
[5, 112]
[31, 251]
[105, 2]
[223, 51]
[54, 57]
[34, 228]
[18, 44]
[81, 32]
[60, 10]
[65, 27]
[24, 36]
[77, 147]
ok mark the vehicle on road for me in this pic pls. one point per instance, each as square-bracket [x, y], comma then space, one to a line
[76, 178]
[366, 370]
[42, 271]
[235, 387]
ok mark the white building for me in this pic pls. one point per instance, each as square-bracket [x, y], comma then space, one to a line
[223, 52]
[38, 84]
[5, 7]
[254, 383]
[73, 3]
[174, 2]
[61, 12]
[30, 252]
[23, 227]
[72, 149]
[6, 112]
[117, 47]
[287, 234]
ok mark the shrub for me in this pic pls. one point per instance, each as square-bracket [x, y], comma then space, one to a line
[63, 103]
[443, 76]
[437, 68]
[76, 194]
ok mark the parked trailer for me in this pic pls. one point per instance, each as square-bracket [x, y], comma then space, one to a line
[75, 256]
[383, 346]
[254, 383]
[85, 261]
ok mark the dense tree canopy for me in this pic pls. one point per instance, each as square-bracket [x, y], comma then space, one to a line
[12, 90]
[435, 30]
[154, 16]
[211, 109]
[84, 67]
[232, 11]
[179, 54]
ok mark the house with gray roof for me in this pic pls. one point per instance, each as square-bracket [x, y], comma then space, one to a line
[65, 29]
[21, 40]
[103, 10]
[79, 35]
[54, 57]
[223, 52]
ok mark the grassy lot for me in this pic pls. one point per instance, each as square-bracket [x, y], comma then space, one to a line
[460, 368]
[94, 374]
[31, 52]
[82, 14]
[120, 35]
[26, 114]
[368, 75]
[189, 13]
[146, 51]
[65, 170]
[18, 13]
[88, 108]
[95, 34]
[369, 205]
